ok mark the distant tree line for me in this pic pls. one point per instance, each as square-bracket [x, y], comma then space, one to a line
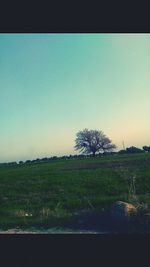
[91, 143]
[128, 150]
[133, 149]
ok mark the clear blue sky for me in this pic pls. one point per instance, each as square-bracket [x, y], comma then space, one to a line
[53, 85]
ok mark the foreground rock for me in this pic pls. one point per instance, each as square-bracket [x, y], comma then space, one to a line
[122, 211]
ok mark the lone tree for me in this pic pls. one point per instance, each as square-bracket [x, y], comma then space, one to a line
[92, 141]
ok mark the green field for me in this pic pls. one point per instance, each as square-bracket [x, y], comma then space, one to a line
[50, 193]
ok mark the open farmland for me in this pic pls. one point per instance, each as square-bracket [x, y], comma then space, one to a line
[51, 193]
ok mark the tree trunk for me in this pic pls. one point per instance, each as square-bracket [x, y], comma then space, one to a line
[93, 154]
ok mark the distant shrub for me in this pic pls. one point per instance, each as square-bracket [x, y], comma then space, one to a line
[28, 161]
[12, 163]
[146, 148]
[133, 149]
[123, 151]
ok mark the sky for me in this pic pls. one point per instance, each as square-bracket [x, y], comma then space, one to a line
[54, 85]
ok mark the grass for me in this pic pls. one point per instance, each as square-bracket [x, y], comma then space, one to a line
[48, 194]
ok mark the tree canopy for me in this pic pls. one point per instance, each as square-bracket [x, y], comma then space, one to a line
[92, 141]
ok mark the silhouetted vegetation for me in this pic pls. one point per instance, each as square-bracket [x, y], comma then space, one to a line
[133, 149]
[128, 150]
[146, 148]
[93, 141]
